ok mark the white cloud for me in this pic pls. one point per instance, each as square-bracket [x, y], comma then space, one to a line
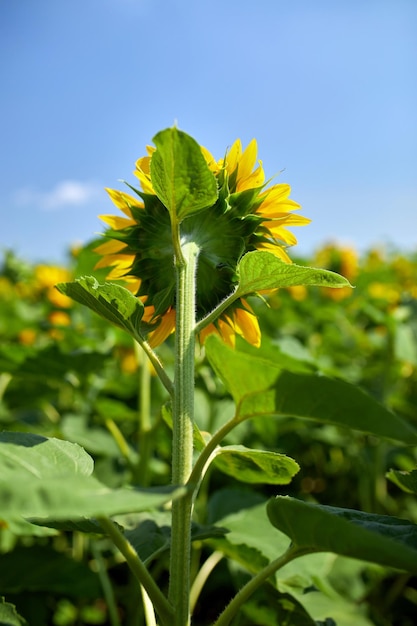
[64, 194]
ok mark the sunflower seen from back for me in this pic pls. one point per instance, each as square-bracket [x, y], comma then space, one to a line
[246, 216]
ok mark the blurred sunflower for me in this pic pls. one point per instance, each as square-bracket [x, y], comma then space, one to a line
[245, 217]
[341, 259]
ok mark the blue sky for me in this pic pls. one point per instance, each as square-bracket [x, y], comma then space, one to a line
[328, 89]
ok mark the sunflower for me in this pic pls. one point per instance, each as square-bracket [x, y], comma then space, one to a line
[246, 216]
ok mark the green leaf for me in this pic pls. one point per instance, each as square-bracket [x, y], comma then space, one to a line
[256, 466]
[180, 175]
[74, 496]
[268, 606]
[253, 542]
[49, 478]
[24, 528]
[112, 302]
[9, 615]
[262, 388]
[407, 481]
[380, 539]
[33, 456]
[259, 270]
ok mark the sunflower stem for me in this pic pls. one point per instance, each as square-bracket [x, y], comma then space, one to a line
[183, 418]
[217, 311]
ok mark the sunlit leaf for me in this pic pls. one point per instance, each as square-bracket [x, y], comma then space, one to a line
[262, 388]
[377, 538]
[33, 456]
[259, 270]
[114, 303]
[180, 174]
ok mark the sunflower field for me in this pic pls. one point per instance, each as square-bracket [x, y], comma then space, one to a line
[232, 441]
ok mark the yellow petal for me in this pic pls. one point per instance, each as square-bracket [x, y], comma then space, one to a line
[247, 160]
[227, 332]
[115, 259]
[233, 156]
[289, 219]
[256, 179]
[120, 270]
[210, 160]
[124, 201]
[247, 326]
[276, 193]
[276, 250]
[143, 172]
[165, 328]
[116, 222]
[282, 234]
[110, 247]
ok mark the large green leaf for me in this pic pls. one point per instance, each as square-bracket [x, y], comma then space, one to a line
[262, 388]
[112, 302]
[380, 539]
[256, 466]
[260, 270]
[180, 174]
[253, 542]
[49, 478]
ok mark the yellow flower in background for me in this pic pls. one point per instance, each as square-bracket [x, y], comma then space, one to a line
[246, 217]
[342, 260]
[59, 318]
[27, 336]
[46, 277]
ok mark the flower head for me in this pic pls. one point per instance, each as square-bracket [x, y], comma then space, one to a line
[247, 216]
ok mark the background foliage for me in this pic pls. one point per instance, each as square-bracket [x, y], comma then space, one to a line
[67, 374]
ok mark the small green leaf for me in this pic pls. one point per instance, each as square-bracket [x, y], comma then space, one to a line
[180, 175]
[112, 302]
[379, 539]
[407, 481]
[259, 270]
[256, 466]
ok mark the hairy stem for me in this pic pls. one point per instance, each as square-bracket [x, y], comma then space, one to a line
[183, 418]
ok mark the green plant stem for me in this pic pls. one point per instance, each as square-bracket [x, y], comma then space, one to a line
[159, 368]
[159, 601]
[182, 438]
[215, 313]
[106, 586]
[145, 426]
[148, 608]
[204, 572]
[245, 592]
[208, 453]
[120, 440]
